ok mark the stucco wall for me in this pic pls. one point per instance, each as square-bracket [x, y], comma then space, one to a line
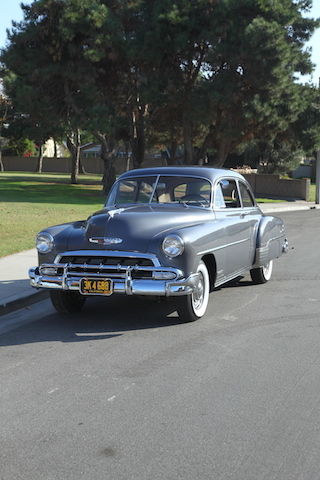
[273, 185]
[262, 185]
[63, 165]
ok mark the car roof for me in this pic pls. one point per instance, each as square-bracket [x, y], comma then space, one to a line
[196, 171]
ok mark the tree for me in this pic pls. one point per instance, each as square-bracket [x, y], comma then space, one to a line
[210, 74]
[4, 113]
[247, 84]
[31, 118]
[306, 129]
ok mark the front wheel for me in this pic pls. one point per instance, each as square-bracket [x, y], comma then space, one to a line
[67, 302]
[262, 274]
[194, 306]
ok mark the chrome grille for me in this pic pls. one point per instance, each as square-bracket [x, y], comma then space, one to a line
[112, 266]
[107, 260]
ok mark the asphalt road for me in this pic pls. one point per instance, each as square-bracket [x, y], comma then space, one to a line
[125, 391]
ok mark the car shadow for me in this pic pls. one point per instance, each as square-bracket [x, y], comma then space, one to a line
[100, 319]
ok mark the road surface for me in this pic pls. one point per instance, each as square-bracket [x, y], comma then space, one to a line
[125, 391]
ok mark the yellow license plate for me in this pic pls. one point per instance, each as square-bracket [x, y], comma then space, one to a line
[94, 286]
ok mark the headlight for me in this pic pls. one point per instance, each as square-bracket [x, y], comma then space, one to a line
[44, 242]
[173, 246]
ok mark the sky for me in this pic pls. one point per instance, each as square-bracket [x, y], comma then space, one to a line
[10, 10]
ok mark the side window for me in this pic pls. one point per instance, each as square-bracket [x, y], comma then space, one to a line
[219, 200]
[247, 199]
[226, 194]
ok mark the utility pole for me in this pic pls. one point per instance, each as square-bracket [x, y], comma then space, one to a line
[318, 178]
[318, 171]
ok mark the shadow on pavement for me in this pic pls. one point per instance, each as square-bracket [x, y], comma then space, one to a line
[100, 319]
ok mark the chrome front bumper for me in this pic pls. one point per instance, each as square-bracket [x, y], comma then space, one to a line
[126, 285]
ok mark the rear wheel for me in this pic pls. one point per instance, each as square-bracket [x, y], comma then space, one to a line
[67, 302]
[194, 306]
[262, 274]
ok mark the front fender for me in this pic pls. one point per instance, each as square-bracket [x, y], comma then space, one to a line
[271, 240]
[62, 234]
[203, 237]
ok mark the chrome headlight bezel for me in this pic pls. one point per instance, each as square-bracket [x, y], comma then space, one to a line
[44, 242]
[172, 246]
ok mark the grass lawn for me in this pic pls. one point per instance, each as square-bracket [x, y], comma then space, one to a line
[31, 202]
[268, 200]
[312, 193]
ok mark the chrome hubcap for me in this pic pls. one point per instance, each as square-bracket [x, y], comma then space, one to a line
[198, 293]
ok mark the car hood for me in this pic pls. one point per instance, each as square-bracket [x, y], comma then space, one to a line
[133, 227]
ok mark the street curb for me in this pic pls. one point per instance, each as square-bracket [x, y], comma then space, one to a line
[23, 302]
[284, 208]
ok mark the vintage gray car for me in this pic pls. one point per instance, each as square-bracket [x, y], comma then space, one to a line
[165, 232]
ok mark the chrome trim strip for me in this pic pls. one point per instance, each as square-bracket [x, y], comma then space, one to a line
[156, 184]
[105, 240]
[237, 180]
[223, 246]
[121, 270]
[107, 253]
[154, 188]
[128, 282]
[272, 239]
[225, 279]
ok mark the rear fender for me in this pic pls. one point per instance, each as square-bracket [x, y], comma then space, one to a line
[271, 240]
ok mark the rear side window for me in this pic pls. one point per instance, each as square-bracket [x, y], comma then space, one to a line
[246, 196]
[226, 194]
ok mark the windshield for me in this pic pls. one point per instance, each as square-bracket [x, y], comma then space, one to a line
[163, 189]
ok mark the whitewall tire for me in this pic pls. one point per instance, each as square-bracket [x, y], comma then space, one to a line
[194, 306]
[262, 274]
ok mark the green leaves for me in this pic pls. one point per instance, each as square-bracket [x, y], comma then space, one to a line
[206, 73]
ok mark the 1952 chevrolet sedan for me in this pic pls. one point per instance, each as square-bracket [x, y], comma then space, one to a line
[167, 232]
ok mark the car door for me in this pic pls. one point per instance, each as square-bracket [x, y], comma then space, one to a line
[237, 225]
[251, 215]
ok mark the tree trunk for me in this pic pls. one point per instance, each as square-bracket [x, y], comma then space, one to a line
[40, 158]
[187, 141]
[108, 155]
[171, 158]
[81, 166]
[128, 157]
[138, 137]
[55, 150]
[202, 153]
[223, 152]
[73, 144]
[1, 162]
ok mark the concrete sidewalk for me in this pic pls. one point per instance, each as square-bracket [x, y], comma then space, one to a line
[14, 281]
[288, 206]
[16, 292]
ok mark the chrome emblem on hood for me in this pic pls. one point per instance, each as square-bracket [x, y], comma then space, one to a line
[105, 240]
[112, 213]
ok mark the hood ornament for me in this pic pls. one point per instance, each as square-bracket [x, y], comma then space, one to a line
[106, 240]
[112, 213]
